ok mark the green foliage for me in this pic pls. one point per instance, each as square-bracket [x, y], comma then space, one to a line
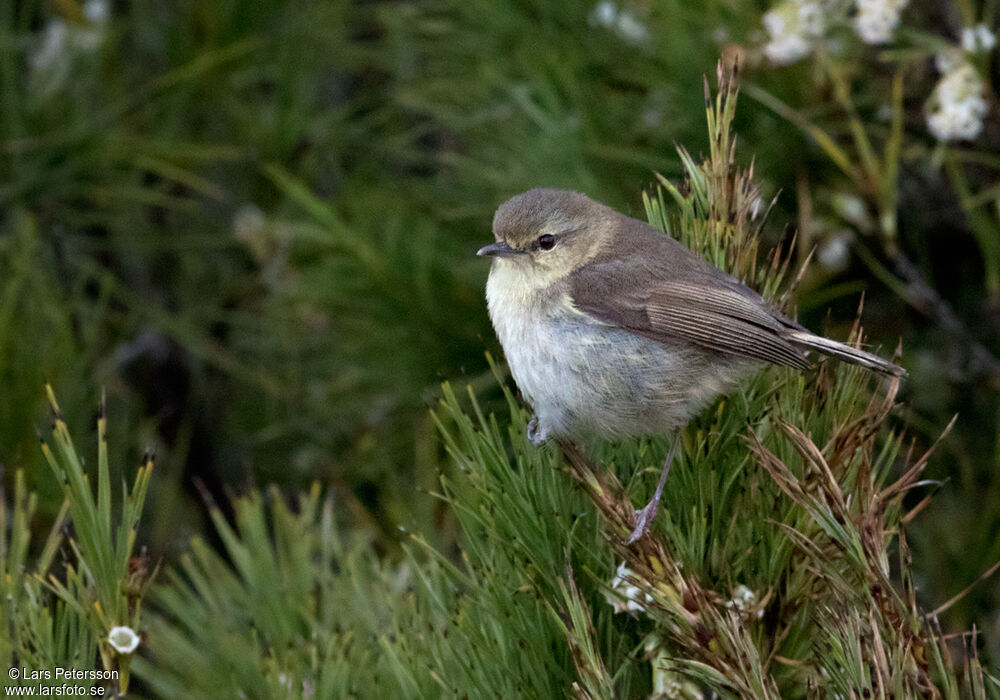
[768, 574]
[292, 606]
[63, 619]
[868, 170]
[289, 608]
[254, 224]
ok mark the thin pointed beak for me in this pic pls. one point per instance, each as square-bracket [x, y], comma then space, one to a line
[500, 249]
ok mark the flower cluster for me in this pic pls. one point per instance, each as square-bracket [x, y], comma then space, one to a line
[957, 106]
[625, 596]
[61, 37]
[744, 601]
[622, 22]
[876, 19]
[978, 39]
[793, 27]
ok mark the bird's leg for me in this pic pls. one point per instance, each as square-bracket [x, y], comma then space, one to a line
[536, 433]
[644, 517]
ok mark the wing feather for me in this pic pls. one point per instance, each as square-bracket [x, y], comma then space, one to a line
[669, 295]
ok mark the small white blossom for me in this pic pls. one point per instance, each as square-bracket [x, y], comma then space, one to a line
[124, 640]
[957, 106]
[285, 681]
[61, 36]
[834, 253]
[665, 687]
[743, 599]
[97, 12]
[812, 19]
[622, 22]
[603, 14]
[793, 27]
[631, 29]
[948, 59]
[51, 57]
[885, 113]
[46, 54]
[851, 208]
[978, 38]
[626, 596]
[787, 49]
[252, 228]
[876, 19]
[249, 222]
[657, 103]
[668, 684]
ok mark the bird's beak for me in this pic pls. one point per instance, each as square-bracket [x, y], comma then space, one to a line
[500, 249]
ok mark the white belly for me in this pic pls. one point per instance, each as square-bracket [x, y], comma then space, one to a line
[585, 378]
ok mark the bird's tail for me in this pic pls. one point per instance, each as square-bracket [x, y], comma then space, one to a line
[845, 353]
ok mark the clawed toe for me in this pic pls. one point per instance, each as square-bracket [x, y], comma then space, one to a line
[536, 434]
[643, 519]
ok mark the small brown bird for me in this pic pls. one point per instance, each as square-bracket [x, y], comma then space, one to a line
[614, 329]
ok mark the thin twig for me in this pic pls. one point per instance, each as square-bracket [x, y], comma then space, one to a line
[964, 592]
[925, 299]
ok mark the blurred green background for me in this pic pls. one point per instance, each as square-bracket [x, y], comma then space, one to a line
[253, 225]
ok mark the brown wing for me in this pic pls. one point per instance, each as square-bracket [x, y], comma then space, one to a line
[655, 287]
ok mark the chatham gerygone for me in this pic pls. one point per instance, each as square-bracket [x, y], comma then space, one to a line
[614, 329]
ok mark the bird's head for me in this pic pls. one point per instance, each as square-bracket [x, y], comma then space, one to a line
[547, 234]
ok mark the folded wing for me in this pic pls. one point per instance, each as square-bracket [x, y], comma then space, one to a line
[712, 311]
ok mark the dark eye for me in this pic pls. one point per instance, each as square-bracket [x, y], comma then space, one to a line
[546, 241]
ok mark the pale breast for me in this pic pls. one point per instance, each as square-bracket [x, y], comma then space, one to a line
[584, 377]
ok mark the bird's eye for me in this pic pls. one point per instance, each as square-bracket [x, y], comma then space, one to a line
[546, 241]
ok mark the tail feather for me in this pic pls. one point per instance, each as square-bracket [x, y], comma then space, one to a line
[845, 353]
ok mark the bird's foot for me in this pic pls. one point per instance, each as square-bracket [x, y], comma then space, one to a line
[643, 519]
[536, 433]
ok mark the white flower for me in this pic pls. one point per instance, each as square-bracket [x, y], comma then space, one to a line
[622, 22]
[97, 13]
[957, 106]
[948, 59]
[123, 639]
[631, 29]
[45, 55]
[603, 14]
[774, 22]
[793, 27]
[834, 253]
[978, 38]
[249, 223]
[743, 599]
[812, 20]
[851, 208]
[51, 58]
[876, 19]
[668, 684]
[657, 102]
[626, 596]
[787, 49]
[665, 685]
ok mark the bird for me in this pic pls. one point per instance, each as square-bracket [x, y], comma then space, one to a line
[613, 329]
